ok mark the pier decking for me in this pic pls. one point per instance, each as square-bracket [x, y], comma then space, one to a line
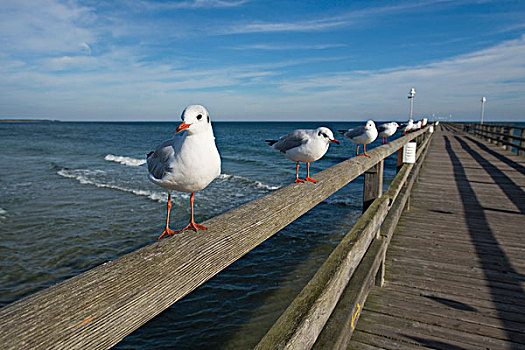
[455, 267]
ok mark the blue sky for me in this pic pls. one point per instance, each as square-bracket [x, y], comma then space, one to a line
[261, 59]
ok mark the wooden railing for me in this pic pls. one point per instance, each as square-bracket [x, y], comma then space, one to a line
[98, 308]
[500, 134]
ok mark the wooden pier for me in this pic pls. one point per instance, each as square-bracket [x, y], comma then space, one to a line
[455, 271]
[437, 260]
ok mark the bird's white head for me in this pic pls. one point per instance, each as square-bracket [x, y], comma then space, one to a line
[395, 124]
[370, 125]
[326, 134]
[195, 119]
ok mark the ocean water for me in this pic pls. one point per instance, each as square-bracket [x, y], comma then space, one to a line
[73, 196]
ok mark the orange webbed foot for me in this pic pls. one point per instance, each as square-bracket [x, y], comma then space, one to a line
[310, 179]
[167, 232]
[299, 180]
[192, 226]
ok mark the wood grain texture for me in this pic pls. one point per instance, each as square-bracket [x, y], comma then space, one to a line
[97, 309]
[455, 264]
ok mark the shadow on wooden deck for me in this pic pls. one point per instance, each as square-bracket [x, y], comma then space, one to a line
[479, 230]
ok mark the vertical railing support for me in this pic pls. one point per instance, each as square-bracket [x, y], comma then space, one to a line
[373, 187]
[380, 275]
[510, 139]
[500, 137]
[522, 142]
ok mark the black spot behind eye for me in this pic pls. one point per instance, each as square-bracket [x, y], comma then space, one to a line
[208, 119]
[319, 133]
[199, 117]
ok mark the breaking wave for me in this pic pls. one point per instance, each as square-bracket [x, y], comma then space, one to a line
[128, 161]
[85, 177]
[257, 184]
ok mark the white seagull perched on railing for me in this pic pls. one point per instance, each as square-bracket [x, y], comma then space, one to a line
[362, 135]
[304, 146]
[408, 126]
[386, 130]
[187, 162]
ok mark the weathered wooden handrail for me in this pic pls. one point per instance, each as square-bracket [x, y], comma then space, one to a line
[501, 135]
[100, 307]
[302, 322]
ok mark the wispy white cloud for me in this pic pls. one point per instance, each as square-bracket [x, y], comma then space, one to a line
[446, 86]
[189, 4]
[284, 47]
[45, 26]
[335, 21]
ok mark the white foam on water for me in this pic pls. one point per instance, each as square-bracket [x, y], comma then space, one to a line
[255, 183]
[128, 161]
[83, 176]
[3, 213]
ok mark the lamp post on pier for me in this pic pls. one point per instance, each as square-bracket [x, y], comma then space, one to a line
[411, 95]
[483, 100]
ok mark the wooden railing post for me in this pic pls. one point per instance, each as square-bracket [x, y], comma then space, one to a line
[509, 139]
[380, 276]
[373, 186]
[522, 142]
[500, 137]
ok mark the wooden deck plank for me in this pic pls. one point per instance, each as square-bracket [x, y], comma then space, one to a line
[443, 308]
[455, 269]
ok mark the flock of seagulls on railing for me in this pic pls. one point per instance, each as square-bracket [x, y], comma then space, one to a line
[190, 162]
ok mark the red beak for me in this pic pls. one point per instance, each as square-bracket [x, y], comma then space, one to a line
[181, 127]
[366, 127]
[334, 140]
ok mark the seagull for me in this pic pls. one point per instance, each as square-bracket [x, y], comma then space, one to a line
[304, 146]
[188, 162]
[417, 125]
[362, 135]
[407, 126]
[386, 130]
[424, 122]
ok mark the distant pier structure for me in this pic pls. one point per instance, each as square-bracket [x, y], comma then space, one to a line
[436, 260]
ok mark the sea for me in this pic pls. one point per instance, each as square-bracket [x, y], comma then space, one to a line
[74, 195]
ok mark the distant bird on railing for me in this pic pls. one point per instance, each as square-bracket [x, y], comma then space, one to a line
[362, 135]
[304, 146]
[417, 125]
[386, 130]
[406, 127]
[187, 162]
[424, 122]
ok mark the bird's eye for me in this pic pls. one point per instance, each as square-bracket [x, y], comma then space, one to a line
[199, 117]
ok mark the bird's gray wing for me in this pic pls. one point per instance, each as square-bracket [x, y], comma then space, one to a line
[354, 132]
[294, 139]
[158, 159]
[381, 128]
